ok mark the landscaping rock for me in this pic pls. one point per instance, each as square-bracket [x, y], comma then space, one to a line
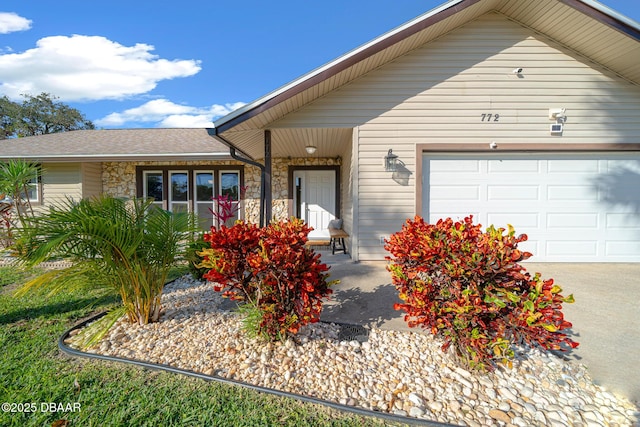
[499, 415]
[404, 373]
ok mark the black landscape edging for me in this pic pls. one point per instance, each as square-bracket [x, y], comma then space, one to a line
[153, 366]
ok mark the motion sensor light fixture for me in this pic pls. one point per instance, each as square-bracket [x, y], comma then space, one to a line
[517, 71]
[557, 114]
[556, 129]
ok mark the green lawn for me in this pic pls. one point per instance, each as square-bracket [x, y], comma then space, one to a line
[34, 372]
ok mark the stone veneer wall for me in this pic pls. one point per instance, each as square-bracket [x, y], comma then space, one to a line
[119, 179]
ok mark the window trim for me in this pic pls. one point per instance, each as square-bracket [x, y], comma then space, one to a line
[170, 202]
[240, 184]
[37, 182]
[143, 186]
[191, 170]
[196, 202]
[223, 171]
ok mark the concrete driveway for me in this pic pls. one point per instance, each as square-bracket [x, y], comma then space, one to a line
[606, 320]
[605, 316]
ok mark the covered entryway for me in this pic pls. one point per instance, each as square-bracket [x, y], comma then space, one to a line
[314, 200]
[574, 207]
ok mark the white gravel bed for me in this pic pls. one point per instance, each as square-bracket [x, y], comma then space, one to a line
[396, 372]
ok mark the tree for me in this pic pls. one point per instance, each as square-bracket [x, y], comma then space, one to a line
[8, 112]
[38, 115]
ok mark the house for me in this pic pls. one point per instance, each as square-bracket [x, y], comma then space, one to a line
[182, 169]
[518, 112]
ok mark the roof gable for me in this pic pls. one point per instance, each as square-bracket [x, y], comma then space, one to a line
[584, 26]
[473, 63]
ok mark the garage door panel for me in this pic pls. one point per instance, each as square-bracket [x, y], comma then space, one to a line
[571, 192]
[468, 166]
[623, 235]
[582, 207]
[623, 191]
[572, 167]
[573, 220]
[455, 192]
[513, 166]
[532, 246]
[518, 220]
[622, 221]
[512, 192]
[572, 248]
[621, 248]
[615, 166]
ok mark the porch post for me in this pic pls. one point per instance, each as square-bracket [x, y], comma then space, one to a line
[267, 177]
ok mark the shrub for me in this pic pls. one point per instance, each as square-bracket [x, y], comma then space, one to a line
[226, 210]
[226, 259]
[272, 270]
[125, 246]
[467, 287]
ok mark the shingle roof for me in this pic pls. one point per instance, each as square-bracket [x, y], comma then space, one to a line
[116, 144]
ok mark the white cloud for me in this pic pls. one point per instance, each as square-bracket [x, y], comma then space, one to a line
[186, 121]
[10, 22]
[83, 68]
[166, 114]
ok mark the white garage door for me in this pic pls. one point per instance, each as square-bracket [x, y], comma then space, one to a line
[574, 208]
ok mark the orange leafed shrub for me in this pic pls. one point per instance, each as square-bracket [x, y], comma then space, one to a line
[467, 286]
[271, 269]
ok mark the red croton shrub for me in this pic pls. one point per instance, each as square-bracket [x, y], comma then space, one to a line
[226, 258]
[272, 270]
[467, 286]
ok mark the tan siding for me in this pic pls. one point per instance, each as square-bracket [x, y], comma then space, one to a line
[91, 179]
[472, 66]
[59, 181]
[437, 94]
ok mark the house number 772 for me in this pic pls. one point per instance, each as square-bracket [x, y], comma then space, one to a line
[489, 117]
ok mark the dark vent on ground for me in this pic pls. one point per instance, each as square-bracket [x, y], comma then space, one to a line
[353, 333]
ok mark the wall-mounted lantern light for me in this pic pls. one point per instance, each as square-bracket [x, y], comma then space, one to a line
[390, 162]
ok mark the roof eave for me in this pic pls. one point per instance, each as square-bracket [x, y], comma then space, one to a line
[607, 16]
[66, 158]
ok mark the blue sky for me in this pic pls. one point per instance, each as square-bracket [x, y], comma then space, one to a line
[183, 64]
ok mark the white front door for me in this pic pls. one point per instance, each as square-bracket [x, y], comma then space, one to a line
[315, 200]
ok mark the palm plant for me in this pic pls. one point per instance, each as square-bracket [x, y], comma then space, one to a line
[15, 177]
[125, 246]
